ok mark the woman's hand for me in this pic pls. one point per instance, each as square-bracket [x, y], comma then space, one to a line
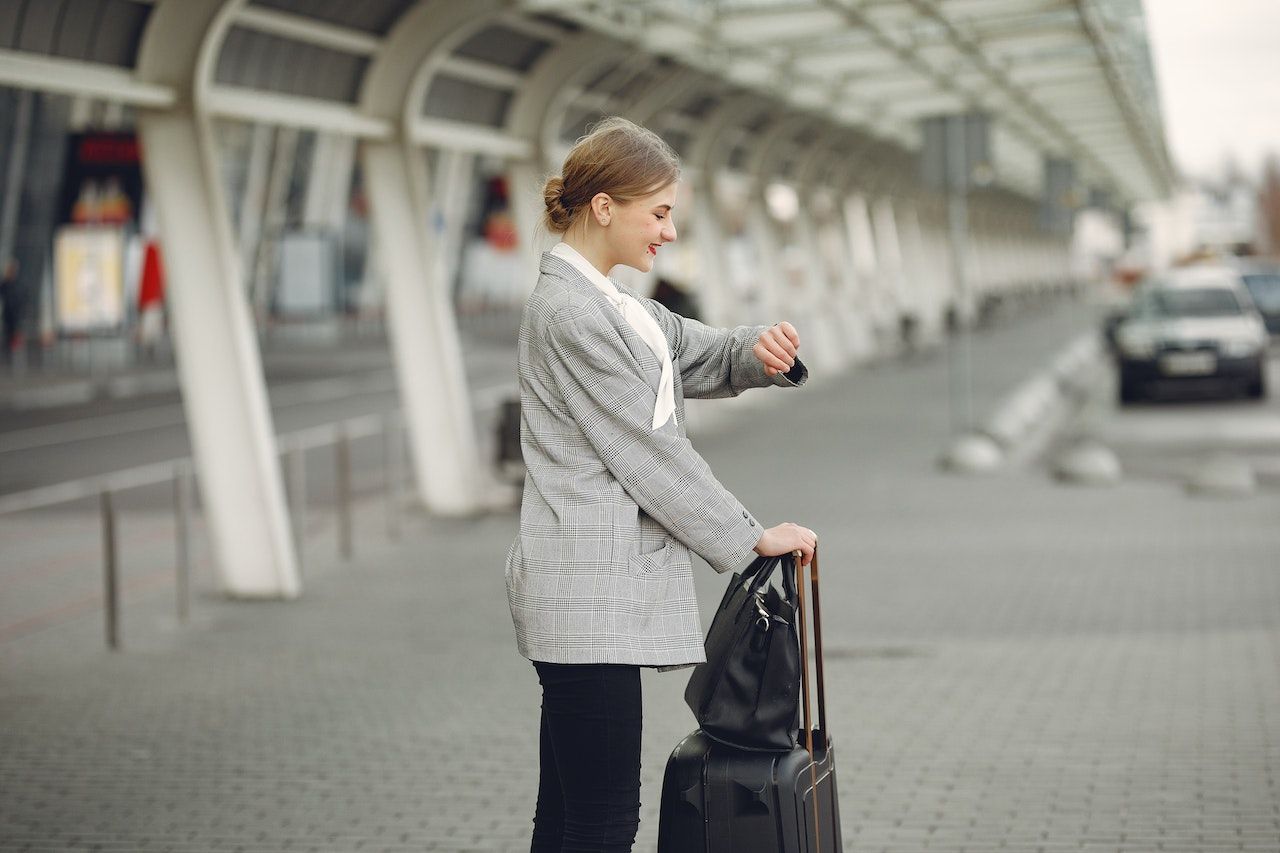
[785, 538]
[777, 347]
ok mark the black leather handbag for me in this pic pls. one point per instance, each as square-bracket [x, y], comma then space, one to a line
[747, 694]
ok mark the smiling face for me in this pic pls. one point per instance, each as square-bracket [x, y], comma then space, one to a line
[638, 229]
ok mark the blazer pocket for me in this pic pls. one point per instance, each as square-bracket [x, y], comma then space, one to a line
[653, 564]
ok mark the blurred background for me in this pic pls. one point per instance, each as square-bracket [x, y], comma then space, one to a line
[264, 263]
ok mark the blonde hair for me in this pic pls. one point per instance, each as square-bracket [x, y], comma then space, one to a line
[618, 157]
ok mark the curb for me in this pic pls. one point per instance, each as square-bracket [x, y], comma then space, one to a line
[64, 392]
[1027, 418]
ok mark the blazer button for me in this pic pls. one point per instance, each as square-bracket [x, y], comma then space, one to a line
[744, 514]
[751, 521]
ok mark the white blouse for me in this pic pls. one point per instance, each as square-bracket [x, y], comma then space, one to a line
[639, 319]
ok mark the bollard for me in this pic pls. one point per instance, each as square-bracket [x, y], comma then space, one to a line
[392, 463]
[298, 500]
[342, 482]
[111, 593]
[182, 513]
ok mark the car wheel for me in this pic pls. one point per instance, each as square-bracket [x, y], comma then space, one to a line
[1257, 387]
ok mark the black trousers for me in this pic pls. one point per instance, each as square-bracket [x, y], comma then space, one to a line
[589, 752]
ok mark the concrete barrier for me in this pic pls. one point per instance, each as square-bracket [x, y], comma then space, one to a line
[1030, 413]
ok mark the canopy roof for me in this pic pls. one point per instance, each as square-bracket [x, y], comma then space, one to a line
[1064, 78]
[1067, 79]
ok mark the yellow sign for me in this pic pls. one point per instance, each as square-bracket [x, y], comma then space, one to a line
[88, 267]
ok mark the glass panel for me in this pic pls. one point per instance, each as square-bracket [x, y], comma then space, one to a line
[462, 100]
[1198, 302]
[375, 16]
[500, 45]
[262, 61]
[1265, 289]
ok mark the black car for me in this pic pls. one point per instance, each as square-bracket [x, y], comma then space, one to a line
[1263, 281]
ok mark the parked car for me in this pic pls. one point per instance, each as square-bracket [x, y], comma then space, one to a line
[1191, 324]
[1262, 278]
[1112, 320]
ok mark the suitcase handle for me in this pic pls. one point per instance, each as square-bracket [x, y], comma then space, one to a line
[817, 644]
[804, 680]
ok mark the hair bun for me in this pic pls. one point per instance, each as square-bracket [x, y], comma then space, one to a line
[558, 216]
[618, 157]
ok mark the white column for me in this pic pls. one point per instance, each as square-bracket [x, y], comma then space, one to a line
[854, 332]
[823, 241]
[891, 282]
[419, 309]
[707, 155]
[767, 150]
[454, 184]
[863, 250]
[816, 302]
[274, 217]
[1018, 260]
[424, 335]
[1044, 272]
[917, 272]
[527, 209]
[81, 114]
[1013, 266]
[763, 235]
[996, 260]
[112, 115]
[328, 193]
[223, 391]
[253, 202]
[713, 289]
[329, 181]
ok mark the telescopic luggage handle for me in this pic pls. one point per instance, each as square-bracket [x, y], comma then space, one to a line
[817, 646]
[804, 679]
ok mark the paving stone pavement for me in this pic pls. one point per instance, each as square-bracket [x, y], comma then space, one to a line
[1014, 664]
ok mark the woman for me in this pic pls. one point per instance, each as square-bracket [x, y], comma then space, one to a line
[599, 578]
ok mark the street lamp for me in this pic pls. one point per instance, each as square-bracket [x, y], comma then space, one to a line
[955, 158]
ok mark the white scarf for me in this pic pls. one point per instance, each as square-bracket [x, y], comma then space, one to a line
[640, 320]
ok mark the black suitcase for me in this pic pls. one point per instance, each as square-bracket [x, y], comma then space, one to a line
[719, 799]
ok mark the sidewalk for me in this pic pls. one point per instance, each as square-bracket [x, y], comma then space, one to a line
[1014, 664]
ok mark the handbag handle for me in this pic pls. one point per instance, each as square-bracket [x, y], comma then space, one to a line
[760, 572]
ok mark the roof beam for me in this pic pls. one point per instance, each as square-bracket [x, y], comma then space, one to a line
[309, 30]
[293, 111]
[461, 136]
[792, 21]
[73, 77]
[494, 76]
[530, 27]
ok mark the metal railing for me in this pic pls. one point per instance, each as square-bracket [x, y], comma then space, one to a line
[293, 448]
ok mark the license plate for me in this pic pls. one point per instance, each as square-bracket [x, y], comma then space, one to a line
[1189, 363]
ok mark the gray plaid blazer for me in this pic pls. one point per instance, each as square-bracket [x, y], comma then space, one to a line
[600, 571]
